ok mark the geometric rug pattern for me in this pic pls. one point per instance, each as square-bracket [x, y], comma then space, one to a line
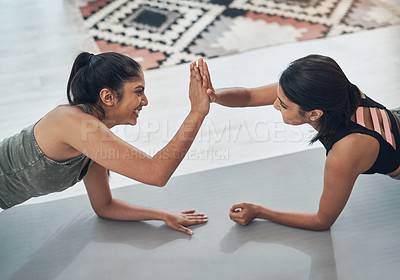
[160, 33]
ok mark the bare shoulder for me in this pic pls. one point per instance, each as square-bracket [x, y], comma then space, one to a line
[59, 128]
[68, 112]
[71, 121]
[65, 117]
[356, 151]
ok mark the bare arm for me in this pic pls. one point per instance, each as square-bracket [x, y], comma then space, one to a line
[238, 96]
[92, 138]
[98, 189]
[246, 97]
[345, 162]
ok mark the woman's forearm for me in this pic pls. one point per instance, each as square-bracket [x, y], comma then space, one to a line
[304, 220]
[120, 210]
[168, 159]
[233, 97]
[246, 97]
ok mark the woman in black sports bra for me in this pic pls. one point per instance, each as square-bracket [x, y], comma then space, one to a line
[360, 135]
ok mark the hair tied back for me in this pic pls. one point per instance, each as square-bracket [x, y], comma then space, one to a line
[111, 70]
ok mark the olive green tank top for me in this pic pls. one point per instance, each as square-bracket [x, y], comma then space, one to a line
[25, 171]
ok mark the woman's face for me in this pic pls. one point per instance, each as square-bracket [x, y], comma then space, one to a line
[290, 111]
[127, 109]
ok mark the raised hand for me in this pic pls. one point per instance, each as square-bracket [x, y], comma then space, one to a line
[199, 99]
[204, 72]
[243, 213]
[179, 221]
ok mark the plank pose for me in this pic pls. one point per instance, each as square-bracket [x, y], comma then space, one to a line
[74, 142]
[360, 135]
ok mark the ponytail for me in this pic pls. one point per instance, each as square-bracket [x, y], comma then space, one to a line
[82, 60]
[91, 73]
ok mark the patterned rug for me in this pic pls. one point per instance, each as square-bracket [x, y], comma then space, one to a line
[160, 33]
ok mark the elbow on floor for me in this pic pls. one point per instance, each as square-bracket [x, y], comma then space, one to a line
[100, 214]
[322, 226]
[161, 182]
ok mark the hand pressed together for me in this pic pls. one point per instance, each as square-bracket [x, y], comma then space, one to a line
[179, 221]
[203, 67]
[199, 100]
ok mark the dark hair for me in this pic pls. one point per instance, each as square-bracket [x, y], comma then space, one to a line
[91, 73]
[318, 82]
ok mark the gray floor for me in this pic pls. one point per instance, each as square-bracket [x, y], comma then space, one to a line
[64, 239]
[41, 38]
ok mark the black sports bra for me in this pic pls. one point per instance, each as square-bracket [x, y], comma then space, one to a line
[388, 159]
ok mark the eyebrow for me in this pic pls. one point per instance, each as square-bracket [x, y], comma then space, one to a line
[282, 102]
[141, 87]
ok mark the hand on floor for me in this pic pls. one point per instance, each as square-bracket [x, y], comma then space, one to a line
[178, 221]
[243, 213]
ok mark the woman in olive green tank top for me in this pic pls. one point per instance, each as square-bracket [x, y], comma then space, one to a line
[103, 91]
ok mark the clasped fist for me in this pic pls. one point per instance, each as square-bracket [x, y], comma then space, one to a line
[243, 213]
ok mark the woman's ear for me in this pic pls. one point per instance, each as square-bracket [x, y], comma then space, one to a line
[315, 115]
[107, 97]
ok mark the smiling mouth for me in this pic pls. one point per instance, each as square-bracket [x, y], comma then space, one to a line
[136, 112]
